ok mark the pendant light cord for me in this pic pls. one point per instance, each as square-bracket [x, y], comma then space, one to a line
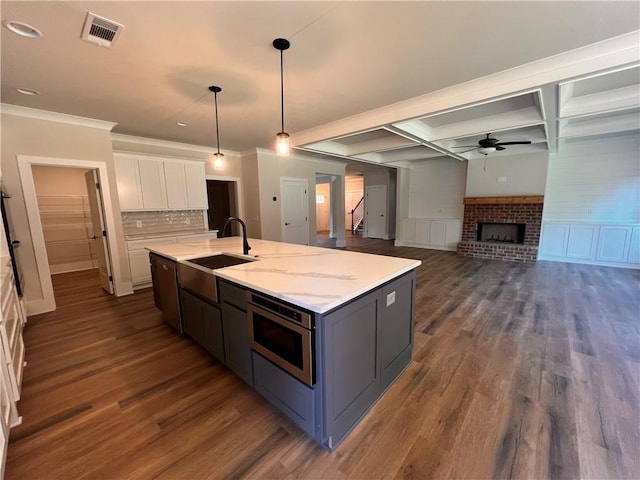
[215, 98]
[282, 89]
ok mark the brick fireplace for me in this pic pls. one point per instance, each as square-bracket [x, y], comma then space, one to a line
[504, 228]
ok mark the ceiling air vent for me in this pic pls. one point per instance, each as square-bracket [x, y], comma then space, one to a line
[100, 30]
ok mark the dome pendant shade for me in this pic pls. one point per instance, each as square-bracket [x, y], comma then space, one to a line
[282, 138]
[218, 158]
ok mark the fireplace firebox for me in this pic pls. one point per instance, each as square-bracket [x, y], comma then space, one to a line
[495, 232]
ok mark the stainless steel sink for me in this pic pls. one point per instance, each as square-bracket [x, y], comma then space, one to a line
[196, 276]
[218, 261]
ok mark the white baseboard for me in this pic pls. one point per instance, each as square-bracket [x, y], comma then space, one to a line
[400, 243]
[598, 263]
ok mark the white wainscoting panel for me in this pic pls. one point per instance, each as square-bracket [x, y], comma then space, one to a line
[596, 244]
[613, 243]
[435, 233]
[582, 241]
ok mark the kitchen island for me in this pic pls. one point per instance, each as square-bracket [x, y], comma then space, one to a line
[320, 333]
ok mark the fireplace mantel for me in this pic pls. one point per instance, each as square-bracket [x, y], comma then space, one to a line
[503, 200]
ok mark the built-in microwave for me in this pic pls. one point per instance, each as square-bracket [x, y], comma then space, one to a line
[282, 334]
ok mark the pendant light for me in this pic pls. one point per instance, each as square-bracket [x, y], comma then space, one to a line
[282, 138]
[218, 158]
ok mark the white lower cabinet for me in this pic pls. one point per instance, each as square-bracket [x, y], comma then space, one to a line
[139, 255]
[598, 244]
[12, 320]
[436, 233]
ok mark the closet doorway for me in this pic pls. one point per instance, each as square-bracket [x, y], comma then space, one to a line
[72, 218]
[42, 275]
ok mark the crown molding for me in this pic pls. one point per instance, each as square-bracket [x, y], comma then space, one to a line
[154, 142]
[309, 158]
[19, 111]
[607, 54]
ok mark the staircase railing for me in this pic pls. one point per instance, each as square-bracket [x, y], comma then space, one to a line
[357, 216]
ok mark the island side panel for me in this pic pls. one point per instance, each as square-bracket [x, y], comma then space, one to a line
[365, 345]
[398, 320]
[351, 367]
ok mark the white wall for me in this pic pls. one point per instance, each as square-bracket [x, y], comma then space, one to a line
[592, 203]
[436, 189]
[271, 168]
[22, 135]
[251, 195]
[525, 175]
[595, 181]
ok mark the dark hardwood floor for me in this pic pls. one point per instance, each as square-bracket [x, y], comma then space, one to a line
[519, 371]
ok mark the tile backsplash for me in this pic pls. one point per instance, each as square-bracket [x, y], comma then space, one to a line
[151, 223]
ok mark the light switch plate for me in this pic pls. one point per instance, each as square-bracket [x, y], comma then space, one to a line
[139, 223]
[391, 298]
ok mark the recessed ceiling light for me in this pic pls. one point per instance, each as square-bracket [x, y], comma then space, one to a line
[182, 124]
[22, 29]
[28, 91]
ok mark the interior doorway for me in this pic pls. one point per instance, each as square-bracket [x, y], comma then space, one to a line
[46, 302]
[73, 224]
[221, 195]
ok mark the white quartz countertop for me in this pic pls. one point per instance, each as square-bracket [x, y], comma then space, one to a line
[318, 279]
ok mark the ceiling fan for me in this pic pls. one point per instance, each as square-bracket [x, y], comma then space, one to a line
[489, 145]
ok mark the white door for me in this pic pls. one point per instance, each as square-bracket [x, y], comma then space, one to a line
[99, 230]
[295, 211]
[375, 207]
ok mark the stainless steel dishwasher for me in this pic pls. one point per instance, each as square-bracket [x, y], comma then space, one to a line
[165, 286]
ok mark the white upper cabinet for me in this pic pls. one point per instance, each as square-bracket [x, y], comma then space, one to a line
[174, 173]
[150, 183]
[197, 185]
[154, 194]
[128, 182]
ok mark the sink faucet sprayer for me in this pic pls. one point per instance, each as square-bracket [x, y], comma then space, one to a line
[245, 243]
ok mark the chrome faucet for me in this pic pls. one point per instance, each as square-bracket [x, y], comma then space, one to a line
[245, 243]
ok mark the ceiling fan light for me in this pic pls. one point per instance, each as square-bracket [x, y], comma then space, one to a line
[282, 143]
[486, 150]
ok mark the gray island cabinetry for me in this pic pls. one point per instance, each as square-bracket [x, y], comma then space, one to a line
[328, 370]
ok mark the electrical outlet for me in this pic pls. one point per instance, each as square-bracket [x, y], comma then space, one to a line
[502, 179]
[187, 221]
[139, 224]
[391, 298]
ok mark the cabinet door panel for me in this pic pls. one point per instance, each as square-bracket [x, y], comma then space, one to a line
[192, 316]
[212, 330]
[140, 269]
[154, 195]
[128, 183]
[176, 185]
[236, 342]
[196, 181]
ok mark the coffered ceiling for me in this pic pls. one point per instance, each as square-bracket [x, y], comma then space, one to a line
[381, 82]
